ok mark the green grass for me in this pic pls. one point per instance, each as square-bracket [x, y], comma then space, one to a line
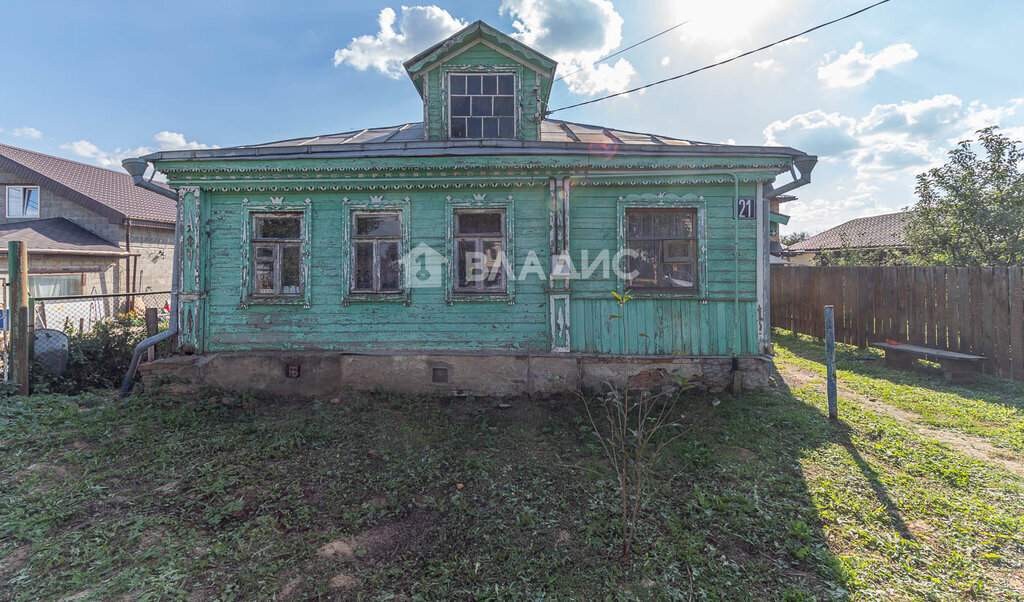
[186, 495]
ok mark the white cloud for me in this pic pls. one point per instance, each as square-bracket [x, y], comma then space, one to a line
[419, 27]
[768, 65]
[576, 33]
[727, 54]
[112, 159]
[176, 141]
[816, 132]
[878, 154]
[27, 132]
[857, 67]
[728, 21]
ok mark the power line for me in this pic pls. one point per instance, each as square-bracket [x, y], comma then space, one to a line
[601, 60]
[738, 56]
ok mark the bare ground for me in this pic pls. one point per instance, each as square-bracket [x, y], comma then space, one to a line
[969, 445]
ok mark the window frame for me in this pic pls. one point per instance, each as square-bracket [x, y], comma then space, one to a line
[480, 204]
[665, 201]
[375, 204]
[660, 245]
[515, 70]
[23, 187]
[271, 207]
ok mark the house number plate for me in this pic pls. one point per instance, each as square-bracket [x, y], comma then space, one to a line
[746, 208]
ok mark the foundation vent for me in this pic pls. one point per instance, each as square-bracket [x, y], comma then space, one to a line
[439, 375]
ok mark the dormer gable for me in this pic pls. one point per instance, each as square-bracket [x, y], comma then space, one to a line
[480, 84]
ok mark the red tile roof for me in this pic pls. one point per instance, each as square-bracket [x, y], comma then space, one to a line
[109, 193]
[874, 232]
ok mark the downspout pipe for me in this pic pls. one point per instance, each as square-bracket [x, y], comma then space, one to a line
[137, 169]
[804, 165]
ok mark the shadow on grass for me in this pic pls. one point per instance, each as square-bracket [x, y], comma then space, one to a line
[867, 363]
[895, 521]
[752, 500]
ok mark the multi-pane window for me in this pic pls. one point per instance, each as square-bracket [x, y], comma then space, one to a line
[22, 201]
[377, 252]
[480, 251]
[482, 105]
[663, 248]
[277, 254]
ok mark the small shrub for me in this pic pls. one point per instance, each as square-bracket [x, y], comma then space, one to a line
[97, 358]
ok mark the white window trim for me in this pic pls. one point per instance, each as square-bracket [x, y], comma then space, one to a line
[517, 78]
[23, 187]
[269, 206]
[480, 203]
[373, 205]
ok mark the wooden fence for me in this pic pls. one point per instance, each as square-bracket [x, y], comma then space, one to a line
[972, 310]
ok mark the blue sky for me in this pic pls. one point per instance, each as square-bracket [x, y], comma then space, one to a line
[879, 98]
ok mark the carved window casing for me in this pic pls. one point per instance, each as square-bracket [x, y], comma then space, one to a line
[277, 254]
[481, 105]
[480, 257]
[377, 252]
[662, 246]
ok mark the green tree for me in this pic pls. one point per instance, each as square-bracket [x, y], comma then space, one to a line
[970, 211]
[793, 237]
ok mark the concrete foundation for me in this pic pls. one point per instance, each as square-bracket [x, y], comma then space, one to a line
[324, 373]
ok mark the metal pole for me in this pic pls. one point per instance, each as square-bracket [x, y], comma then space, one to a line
[830, 361]
[17, 269]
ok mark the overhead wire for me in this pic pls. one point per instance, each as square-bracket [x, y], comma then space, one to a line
[719, 63]
[644, 41]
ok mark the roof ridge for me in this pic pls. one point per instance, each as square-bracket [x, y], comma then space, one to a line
[59, 158]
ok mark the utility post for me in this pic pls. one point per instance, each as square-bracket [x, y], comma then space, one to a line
[17, 270]
[830, 362]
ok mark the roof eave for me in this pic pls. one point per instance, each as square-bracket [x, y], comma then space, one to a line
[449, 148]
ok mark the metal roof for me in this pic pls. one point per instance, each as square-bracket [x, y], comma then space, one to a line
[878, 231]
[407, 140]
[111, 194]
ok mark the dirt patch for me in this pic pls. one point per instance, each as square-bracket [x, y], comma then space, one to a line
[342, 582]
[736, 451]
[972, 447]
[291, 589]
[384, 541]
[13, 562]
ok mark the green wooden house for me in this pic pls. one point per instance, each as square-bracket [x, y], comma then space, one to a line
[477, 250]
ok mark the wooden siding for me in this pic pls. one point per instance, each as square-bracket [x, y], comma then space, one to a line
[428, 322]
[701, 324]
[486, 59]
[697, 325]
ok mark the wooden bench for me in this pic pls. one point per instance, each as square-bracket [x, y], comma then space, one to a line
[956, 367]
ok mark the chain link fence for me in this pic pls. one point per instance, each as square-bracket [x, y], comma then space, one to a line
[87, 341]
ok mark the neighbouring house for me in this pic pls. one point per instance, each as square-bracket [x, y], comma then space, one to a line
[476, 251]
[88, 230]
[876, 234]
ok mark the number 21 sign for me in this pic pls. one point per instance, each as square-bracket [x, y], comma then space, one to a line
[746, 208]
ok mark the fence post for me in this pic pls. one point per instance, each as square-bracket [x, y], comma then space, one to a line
[17, 270]
[152, 321]
[830, 361]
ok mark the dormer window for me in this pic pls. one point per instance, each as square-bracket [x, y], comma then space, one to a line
[482, 105]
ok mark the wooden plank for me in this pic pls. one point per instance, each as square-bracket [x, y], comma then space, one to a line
[1001, 322]
[1016, 286]
[865, 290]
[964, 308]
[952, 309]
[886, 292]
[939, 280]
[988, 308]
